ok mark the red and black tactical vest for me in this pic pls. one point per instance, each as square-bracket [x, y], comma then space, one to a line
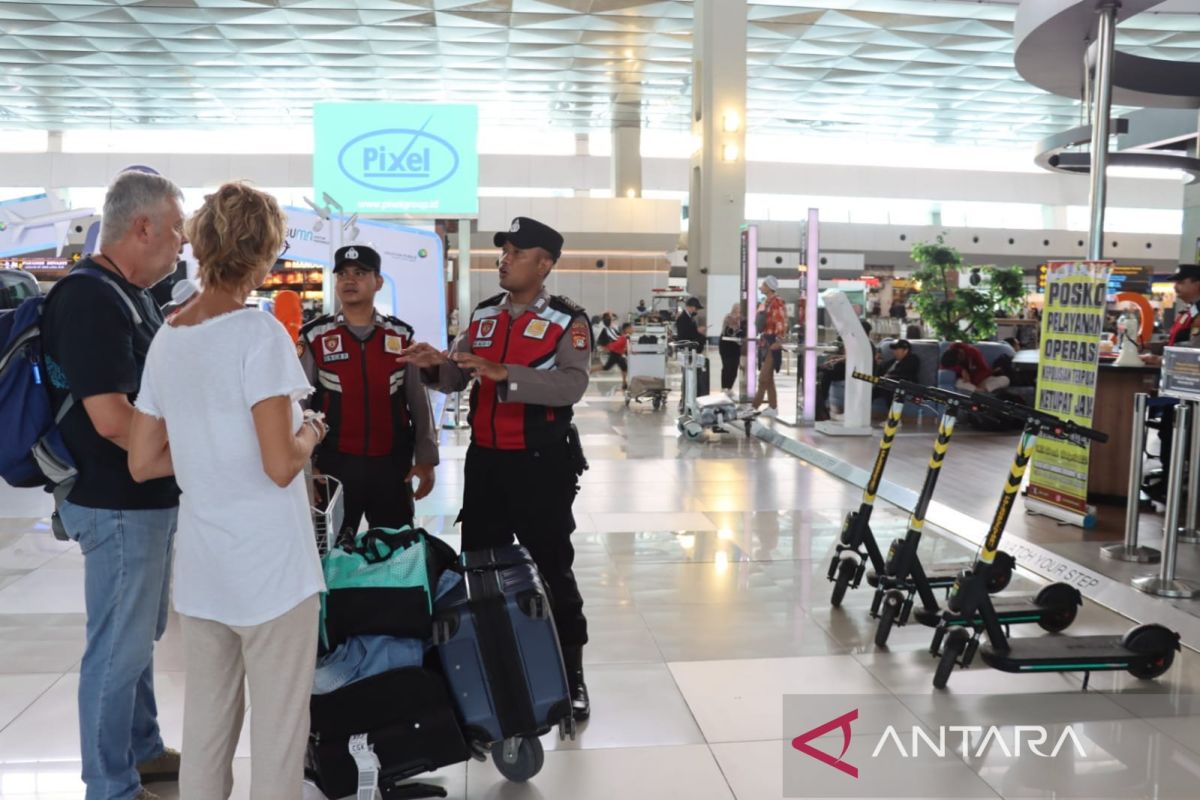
[530, 340]
[360, 386]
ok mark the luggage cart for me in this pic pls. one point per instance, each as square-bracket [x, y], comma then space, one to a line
[647, 359]
[328, 509]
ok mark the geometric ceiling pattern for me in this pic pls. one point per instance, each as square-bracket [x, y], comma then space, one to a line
[933, 69]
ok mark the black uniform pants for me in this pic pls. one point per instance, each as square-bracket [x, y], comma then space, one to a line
[731, 357]
[371, 485]
[528, 494]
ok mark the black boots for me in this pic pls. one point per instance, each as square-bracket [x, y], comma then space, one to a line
[581, 706]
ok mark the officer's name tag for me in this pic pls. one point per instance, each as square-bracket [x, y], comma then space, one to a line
[393, 344]
[337, 357]
[479, 343]
[537, 329]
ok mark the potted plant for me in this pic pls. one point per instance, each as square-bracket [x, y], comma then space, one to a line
[962, 314]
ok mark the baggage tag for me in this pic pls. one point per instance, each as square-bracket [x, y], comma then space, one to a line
[368, 768]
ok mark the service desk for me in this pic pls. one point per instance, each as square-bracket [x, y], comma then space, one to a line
[1108, 464]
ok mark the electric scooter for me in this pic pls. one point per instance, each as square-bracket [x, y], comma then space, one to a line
[857, 544]
[903, 578]
[1146, 651]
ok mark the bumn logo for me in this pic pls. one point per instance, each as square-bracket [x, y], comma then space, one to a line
[399, 159]
[843, 722]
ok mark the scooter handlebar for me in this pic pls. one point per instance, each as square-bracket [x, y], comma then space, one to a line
[912, 390]
[1046, 424]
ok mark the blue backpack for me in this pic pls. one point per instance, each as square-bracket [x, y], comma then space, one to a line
[32, 451]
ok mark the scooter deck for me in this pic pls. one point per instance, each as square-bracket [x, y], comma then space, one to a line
[940, 576]
[1009, 611]
[1060, 654]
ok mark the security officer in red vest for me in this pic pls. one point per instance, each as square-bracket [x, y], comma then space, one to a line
[528, 352]
[1185, 332]
[378, 412]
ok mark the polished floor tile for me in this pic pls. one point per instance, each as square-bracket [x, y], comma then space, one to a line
[645, 772]
[742, 700]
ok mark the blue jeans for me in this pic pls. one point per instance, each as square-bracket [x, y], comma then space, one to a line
[127, 569]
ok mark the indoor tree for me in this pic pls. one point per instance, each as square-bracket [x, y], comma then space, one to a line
[962, 314]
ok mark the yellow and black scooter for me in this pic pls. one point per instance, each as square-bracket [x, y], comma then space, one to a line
[1145, 651]
[903, 579]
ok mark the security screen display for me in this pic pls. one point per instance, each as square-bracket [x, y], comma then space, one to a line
[397, 158]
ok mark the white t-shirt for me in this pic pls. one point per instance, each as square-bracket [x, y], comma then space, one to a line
[245, 552]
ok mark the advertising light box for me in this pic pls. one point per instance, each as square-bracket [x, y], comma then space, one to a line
[418, 159]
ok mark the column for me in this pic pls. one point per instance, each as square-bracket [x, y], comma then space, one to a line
[1189, 245]
[717, 188]
[626, 160]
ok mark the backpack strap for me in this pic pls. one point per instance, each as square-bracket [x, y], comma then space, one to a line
[101, 275]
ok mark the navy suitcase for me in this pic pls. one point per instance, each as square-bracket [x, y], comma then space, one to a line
[499, 649]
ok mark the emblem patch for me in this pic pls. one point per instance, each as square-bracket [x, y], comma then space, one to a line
[393, 344]
[486, 328]
[579, 335]
[537, 329]
[331, 344]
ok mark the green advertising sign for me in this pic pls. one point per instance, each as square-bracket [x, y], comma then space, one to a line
[397, 158]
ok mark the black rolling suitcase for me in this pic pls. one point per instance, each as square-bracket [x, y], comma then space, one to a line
[408, 719]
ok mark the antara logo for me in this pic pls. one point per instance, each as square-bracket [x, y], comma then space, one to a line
[1022, 738]
[399, 159]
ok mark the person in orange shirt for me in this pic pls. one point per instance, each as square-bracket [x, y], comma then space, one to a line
[772, 313]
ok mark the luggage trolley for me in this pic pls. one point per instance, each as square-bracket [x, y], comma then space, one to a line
[328, 504]
[647, 358]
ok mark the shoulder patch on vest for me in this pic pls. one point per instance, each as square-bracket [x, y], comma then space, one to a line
[399, 326]
[580, 334]
[566, 305]
[321, 321]
[493, 301]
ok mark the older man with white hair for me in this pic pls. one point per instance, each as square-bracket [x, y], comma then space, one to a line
[97, 334]
[772, 328]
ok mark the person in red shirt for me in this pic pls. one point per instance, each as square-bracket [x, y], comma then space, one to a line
[972, 371]
[773, 315]
[616, 354]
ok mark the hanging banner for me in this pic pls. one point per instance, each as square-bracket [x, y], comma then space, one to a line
[1072, 321]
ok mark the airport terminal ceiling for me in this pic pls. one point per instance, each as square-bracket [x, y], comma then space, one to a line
[939, 70]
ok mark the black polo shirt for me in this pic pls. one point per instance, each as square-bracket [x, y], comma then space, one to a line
[687, 330]
[94, 346]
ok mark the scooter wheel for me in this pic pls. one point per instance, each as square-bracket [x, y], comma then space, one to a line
[1155, 646]
[526, 763]
[1063, 602]
[845, 574]
[887, 616]
[952, 648]
[1001, 572]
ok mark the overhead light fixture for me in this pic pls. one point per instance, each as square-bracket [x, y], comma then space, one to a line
[631, 193]
[731, 122]
[729, 152]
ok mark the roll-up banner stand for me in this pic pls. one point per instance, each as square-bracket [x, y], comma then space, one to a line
[1068, 366]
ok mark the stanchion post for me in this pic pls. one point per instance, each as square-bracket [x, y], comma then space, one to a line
[1187, 533]
[1130, 550]
[1165, 584]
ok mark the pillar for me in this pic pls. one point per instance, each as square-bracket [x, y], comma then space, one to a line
[717, 187]
[1189, 245]
[627, 160]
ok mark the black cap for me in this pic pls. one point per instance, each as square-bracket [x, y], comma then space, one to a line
[525, 233]
[1186, 271]
[902, 343]
[360, 254]
[694, 302]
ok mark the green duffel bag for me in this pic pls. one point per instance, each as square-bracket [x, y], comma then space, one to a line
[382, 584]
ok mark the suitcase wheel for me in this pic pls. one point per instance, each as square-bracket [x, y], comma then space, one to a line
[518, 759]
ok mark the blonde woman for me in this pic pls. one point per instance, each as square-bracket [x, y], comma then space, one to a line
[218, 409]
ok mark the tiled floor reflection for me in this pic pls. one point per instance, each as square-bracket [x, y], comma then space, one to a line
[703, 569]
